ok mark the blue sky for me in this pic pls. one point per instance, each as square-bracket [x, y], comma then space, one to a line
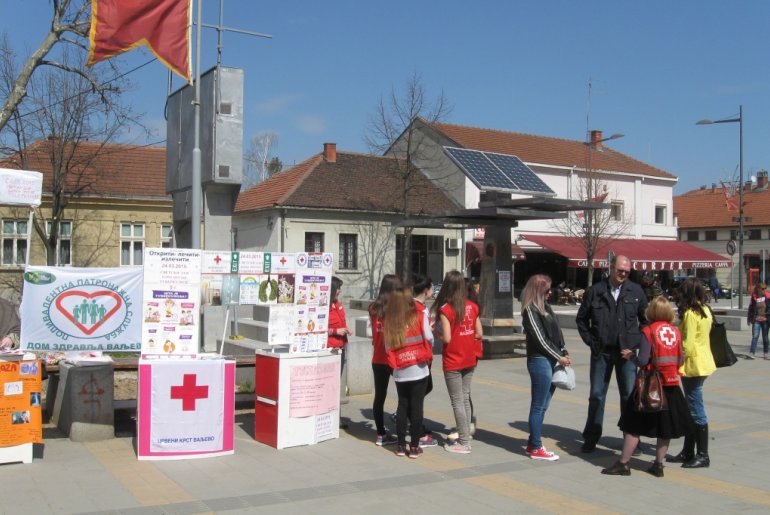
[656, 67]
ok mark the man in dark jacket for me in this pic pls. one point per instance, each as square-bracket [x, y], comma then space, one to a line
[608, 321]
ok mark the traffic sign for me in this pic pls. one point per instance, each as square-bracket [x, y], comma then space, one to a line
[731, 247]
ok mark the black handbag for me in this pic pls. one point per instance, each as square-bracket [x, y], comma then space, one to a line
[720, 347]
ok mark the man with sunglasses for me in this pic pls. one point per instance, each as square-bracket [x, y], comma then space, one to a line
[608, 321]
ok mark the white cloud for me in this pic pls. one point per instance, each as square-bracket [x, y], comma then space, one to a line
[279, 103]
[311, 124]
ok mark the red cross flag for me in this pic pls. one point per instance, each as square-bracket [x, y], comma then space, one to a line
[163, 26]
[186, 408]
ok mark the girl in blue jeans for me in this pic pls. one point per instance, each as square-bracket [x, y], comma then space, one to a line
[545, 349]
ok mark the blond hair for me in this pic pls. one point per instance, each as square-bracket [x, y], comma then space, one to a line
[660, 310]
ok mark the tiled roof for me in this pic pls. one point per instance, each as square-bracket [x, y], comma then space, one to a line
[707, 208]
[102, 169]
[546, 150]
[359, 182]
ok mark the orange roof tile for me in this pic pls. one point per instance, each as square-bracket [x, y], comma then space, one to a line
[707, 208]
[101, 169]
[355, 181]
[545, 150]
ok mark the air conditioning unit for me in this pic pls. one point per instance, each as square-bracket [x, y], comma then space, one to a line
[453, 243]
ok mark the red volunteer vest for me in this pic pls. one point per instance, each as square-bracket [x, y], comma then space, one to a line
[416, 349]
[667, 342]
[379, 354]
[460, 352]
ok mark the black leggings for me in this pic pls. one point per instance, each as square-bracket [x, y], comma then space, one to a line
[382, 375]
[411, 395]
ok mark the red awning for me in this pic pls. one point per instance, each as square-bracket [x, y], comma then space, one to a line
[475, 249]
[644, 254]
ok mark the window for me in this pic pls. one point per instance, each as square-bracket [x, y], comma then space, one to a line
[131, 244]
[14, 242]
[660, 215]
[616, 211]
[166, 236]
[314, 242]
[692, 235]
[348, 258]
[710, 236]
[754, 234]
[63, 242]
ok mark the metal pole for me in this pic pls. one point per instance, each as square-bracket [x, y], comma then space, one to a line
[740, 212]
[195, 216]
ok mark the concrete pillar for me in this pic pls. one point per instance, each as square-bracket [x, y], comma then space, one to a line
[84, 409]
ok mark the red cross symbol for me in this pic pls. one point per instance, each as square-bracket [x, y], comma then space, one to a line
[189, 392]
[217, 259]
[667, 336]
[283, 260]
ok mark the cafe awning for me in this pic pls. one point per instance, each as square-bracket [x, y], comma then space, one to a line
[644, 254]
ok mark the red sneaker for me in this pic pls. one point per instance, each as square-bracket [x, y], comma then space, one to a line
[542, 454]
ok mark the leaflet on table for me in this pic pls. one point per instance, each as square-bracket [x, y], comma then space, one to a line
[171, 303]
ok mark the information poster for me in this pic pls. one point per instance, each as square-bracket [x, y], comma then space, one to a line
[171, 303]
[214, 266]
[21, 419]
[314, 389]
[312, 298]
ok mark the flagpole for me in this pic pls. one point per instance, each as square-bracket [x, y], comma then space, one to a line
[196, 154]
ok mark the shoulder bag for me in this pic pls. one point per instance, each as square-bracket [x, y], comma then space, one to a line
[720, 347]
[649, 396]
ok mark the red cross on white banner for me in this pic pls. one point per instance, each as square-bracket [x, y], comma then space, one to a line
[189, 392]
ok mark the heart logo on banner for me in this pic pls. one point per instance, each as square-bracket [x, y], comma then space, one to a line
[90, 296]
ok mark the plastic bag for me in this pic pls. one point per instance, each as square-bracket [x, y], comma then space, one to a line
[564, 377]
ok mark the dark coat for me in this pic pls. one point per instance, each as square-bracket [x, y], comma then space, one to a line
[603, 322]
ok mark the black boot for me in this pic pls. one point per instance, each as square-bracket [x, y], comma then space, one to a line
[701, 459]
[656, 469]
[688, 452]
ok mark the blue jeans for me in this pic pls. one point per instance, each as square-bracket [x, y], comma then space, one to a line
[693, 391]
[540, 374]
[602, 365]
[756, 328]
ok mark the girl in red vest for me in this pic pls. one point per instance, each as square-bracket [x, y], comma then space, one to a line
[409, 355]
[338, 328]
[460, 327]
[665, 341]
[380, 367]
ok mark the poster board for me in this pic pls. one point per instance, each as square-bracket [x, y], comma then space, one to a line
[21, 420]
[171, 303]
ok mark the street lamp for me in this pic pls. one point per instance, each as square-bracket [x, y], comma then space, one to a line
[739, 120]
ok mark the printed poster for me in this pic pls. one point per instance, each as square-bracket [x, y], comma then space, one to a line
[214, 266]
[185, 408]
[171, 303]
[314, 389]
[21, 419]
[82, 309]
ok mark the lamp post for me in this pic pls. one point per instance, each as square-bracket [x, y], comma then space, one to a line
[595, 139]
[738, 120]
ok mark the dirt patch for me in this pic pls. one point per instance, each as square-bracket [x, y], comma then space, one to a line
[125, 385]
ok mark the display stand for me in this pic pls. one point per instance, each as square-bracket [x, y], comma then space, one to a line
[185, 409]
[20, 404]
[297, 398]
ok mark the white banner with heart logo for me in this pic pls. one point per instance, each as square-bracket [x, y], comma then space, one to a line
[81, 309]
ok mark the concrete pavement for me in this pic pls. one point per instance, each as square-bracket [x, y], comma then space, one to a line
[352, 475]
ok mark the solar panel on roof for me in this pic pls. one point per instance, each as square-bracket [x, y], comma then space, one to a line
[500, 172]
[519, 173]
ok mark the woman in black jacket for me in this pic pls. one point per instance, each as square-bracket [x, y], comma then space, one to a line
[545, 348]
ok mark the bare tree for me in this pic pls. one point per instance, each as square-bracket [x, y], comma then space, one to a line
[258, 159]
[62, 112]
[374, 241]
[70, 21]
[392, 120]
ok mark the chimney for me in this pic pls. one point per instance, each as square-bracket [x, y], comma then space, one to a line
[762, 180]
[596, 139]
[747, 185]
[330, 152]
[713, 187]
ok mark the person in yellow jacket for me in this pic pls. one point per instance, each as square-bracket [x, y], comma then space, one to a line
[695, 325]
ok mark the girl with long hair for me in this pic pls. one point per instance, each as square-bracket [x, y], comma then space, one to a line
[545, 349]
[460, 327]
[695, 321]
[759, 309]
[409, 354]
[380, 367]
[338, 330]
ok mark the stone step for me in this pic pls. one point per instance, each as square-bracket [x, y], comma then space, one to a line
[503, 346]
